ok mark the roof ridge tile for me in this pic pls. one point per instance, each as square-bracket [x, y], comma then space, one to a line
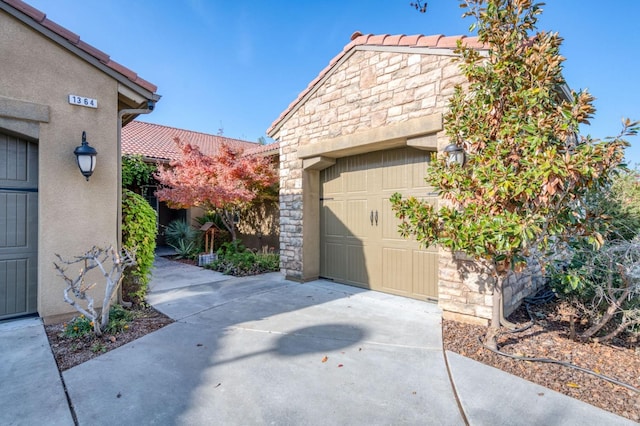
[448, 42]
[393, 40]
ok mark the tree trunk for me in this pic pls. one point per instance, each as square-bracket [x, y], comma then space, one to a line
[227, 220]
[490, 339]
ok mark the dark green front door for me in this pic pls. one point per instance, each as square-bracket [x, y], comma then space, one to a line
[18, 226]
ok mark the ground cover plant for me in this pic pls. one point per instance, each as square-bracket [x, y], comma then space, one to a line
[74, 342]
[234, 258]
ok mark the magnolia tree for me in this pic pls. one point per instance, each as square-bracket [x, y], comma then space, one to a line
[527, 174]
[223, 183]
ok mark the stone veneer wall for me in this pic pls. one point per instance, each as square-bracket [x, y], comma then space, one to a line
[372, 89]
[465, 292]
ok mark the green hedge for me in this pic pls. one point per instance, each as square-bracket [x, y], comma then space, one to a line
[139, 231]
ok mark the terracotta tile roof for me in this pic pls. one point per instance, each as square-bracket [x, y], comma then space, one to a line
[74, 39]
[438, 41]
[156, 141]
[265, 150]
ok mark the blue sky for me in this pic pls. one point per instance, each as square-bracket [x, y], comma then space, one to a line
[236, 65]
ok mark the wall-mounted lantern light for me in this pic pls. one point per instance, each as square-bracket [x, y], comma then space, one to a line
[86, 157]
[455, 154]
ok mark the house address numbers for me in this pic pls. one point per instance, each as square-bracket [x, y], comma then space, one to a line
[83, 101]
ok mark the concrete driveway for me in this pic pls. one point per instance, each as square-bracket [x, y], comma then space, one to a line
[261, 350]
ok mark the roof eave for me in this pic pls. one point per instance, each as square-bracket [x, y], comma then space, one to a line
[30, 21]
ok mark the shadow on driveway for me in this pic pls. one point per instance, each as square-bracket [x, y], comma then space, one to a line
[263, 350]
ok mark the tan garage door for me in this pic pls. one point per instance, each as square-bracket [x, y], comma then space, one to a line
[359, 239]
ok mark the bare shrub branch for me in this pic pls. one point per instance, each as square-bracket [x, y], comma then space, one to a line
[77, 291]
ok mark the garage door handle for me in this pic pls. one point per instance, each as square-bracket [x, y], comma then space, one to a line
[371, 217]
[376, 217]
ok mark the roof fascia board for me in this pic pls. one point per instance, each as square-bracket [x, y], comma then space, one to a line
[126, 91]
[25, 19]
[155, 160]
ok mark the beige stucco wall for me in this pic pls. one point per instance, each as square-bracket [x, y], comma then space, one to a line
[73, 214]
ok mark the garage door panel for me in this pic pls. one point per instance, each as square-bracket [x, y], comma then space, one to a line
[418, 166]
[356, 266]
[12, 274]
[334, 260]
[13, 220]
[15, 152]
[357, 218]
[377, 257]
[396, 270]
[332, 211]
[425, 273]
[389, 223]
[332, 181]
[356, 178]
[394, 170]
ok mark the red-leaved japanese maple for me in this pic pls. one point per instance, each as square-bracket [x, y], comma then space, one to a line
[223, 183]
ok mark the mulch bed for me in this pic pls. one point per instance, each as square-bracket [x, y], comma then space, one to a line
[70, 352]
[549, 338]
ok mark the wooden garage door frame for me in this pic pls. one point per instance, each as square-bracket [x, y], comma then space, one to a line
[18, 226]
[359, 240]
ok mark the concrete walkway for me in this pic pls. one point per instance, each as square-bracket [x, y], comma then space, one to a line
[262, 350]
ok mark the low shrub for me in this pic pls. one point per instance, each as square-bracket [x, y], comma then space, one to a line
[186, 240]
[179, 230]
[268, 261]
[81, 326]
[119, 319]
[603, 287]
[186, 249]
[235, 259]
